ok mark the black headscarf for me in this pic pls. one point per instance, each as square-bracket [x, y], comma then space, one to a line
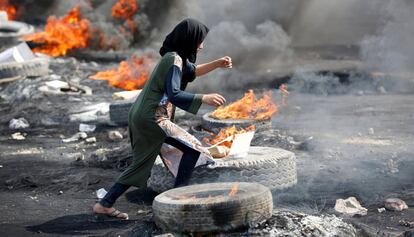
[184, 39]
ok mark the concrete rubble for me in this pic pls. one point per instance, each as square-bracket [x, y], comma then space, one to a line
[296, 224]
[78, 136]
[395, 204]
[86, 127]
[18, 136]
[350, 206]
[19, 123]
[115, 136]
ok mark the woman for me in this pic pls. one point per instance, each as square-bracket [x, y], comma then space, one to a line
[150, 127]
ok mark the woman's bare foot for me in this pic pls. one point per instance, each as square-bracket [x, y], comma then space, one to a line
[99, 209]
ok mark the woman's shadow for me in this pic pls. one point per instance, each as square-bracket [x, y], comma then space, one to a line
[90, 224]
[81, 224]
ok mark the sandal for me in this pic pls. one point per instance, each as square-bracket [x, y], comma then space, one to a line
[115, 213]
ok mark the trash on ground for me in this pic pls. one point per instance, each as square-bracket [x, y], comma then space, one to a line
[19, 123]
[100, 193]
[78, 136]
[350, 206]
[18, 136]
[83, 127]
[395, 204]
[115, 136]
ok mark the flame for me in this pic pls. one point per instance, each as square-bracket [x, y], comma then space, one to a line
[248, 107]
[62, 35]
[225, 133]
[234, 189]
[125, 10]
[9, 9]
[130, 75]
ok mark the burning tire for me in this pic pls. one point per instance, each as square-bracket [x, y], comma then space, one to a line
[272, 167]
[11, 31]
[212, 207]
[31, 68]
[210, 123]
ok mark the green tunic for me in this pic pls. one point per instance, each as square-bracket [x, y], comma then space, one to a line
[145, 134]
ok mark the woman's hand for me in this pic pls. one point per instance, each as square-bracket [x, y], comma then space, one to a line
[224, 62]
[213, 99]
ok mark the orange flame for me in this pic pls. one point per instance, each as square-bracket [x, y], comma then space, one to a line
[130, 75]
[9, 9]
[248, 107]
[62, 35]
[234, 190]
[125, 10]
[225, 133]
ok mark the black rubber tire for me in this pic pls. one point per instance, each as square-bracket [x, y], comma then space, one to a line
[272, 167]
[99, 55]
[31, 68]
[118, 112]
[11, 31]
[211, 124]
[252, 204]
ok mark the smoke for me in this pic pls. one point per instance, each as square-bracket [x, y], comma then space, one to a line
[392, 50]
[266, 44]
[335, 22]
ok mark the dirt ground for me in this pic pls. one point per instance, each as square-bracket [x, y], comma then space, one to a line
[354, 145]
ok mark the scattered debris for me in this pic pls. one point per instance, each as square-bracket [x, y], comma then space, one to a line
[18, 136]
[19, 123]
[86, 127]
[406, 223]
[1, 166]
[90, 140]
[381, 210]
[296, 224]
[100, 193]
[20, 60]
[395, 204]
[60, 192]
[350, 206]
[57, 87]
[91, 113]
[115, 136]
[126, 95]
[78, 136]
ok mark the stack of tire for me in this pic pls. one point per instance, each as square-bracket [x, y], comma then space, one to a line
[10, 35]
[272, 167]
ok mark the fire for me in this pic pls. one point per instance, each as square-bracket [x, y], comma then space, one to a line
[62, 35]
[248, 107]
[125, 10]
[130, 75]
[225, 133]
[9, 9]
[234, 189]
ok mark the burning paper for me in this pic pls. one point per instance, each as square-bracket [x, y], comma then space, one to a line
[248, 107]
[63, 34]
[130, 75]
[226, 133]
